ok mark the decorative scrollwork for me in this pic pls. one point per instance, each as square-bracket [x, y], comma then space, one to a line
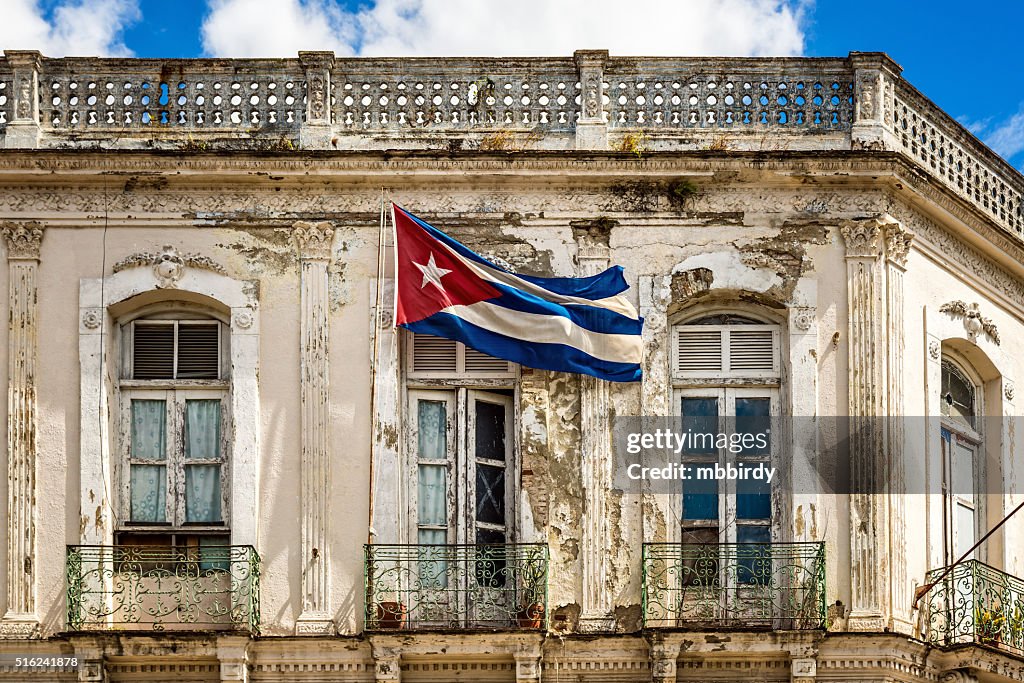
[169, 265]
[776, 585]
[456, 586]
[974, 322]
[163, 588]
[976, 603]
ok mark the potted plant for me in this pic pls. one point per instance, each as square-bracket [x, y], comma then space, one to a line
[531, 616]
[989, 625]
[391, 615]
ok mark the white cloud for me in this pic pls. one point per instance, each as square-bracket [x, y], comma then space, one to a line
[77, 27]
[280, 28]
[1008, 137]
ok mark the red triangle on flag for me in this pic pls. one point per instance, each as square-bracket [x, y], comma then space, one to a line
[430, 276]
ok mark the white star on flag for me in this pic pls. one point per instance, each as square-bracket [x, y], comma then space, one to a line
[432, 273]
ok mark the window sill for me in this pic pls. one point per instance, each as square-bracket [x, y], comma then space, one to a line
[174, 383]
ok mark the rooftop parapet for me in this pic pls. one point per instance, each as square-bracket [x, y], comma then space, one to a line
[588, 101]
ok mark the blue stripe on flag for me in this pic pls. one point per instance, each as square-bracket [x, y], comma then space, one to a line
[601, 286]
[593, 318]
[558, 357]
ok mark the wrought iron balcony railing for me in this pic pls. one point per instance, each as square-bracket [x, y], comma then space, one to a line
[163, 588]
[456, 587]
[976, 603]
[744, 585]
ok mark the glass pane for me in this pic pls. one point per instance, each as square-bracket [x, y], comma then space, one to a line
[753, 499]
[149, 430]
[753, 417]
[432, 417]
[202, 493]
[700, 498]
[432, 486]
[490, 494]
[754, 562]
[957, 394]
[148, 493]
[214, 553]
[963, 471]
[432, 567]
[490, 431]
[202, 429]
[700, 418]
[964, 530]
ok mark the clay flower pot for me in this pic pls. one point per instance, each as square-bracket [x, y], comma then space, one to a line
[531, 616]
[391, 615]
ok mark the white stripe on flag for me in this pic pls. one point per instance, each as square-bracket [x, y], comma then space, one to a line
[551, 329]
[618, 303]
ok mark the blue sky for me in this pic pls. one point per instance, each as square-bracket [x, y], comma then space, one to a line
[966, 61]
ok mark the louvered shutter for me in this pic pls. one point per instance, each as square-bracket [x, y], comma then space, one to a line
[751, 350]
[726, 351]
[434, 357]
[198, 351]
[699, 349]
[433, 354]
[153, 351]
[482, 363]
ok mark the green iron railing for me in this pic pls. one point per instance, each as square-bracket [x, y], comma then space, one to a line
[456, 587]
[741, 585]
[163, 588]
[976, 603]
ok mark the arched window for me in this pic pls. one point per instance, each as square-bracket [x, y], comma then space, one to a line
[962, 461]
[175, 430]
[726, 377]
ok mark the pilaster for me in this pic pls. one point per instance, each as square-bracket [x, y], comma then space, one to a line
[23, 244]
[876, 256]
[595, 428]
[387, 664]
[528, 663]
[897, 249]
[315, 132]
[591, 128]
[663, 661]
[233, 656]
[314, 243]
[23, 130]
[866, 349]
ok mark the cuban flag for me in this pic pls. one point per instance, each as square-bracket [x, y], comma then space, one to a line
[580, 325]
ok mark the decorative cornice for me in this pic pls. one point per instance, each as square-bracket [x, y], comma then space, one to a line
[23, 240]
[314, 239]
[974, 322]
[169, 265]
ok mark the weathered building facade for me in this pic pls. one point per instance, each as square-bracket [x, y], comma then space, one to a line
[197, 315]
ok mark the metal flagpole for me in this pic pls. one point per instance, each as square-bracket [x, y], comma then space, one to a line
[378, 297]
